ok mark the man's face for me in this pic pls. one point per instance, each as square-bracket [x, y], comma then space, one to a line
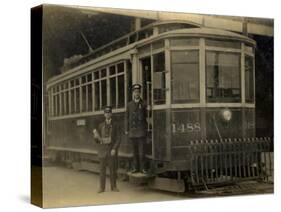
[136, 93]
[107, 115]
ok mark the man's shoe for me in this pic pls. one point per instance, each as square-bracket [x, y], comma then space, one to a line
[115, 189]
[144, 171]
[134, 171]
[100, 191]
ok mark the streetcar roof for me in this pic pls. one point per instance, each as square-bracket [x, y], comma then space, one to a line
[211, 32]
[193, 31]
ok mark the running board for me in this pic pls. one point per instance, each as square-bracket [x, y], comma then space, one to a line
[167, 184]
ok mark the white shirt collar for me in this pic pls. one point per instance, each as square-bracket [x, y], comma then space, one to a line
[137, 100]
[108, 121]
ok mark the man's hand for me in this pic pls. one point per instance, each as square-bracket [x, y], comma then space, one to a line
[113, 152]
[96, 134]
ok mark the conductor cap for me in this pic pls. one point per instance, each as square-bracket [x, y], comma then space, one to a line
[136, 86]
[108, 109]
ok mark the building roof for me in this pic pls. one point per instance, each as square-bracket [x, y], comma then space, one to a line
[258, 26]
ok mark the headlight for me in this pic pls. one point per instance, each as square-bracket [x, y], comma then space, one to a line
[226, 114]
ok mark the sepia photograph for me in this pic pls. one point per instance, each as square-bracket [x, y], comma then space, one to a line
[132, 106]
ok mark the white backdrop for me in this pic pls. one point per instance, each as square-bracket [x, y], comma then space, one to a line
[15, 98]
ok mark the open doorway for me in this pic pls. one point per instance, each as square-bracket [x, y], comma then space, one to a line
[147, 97]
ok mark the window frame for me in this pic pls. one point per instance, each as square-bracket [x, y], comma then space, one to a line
[116, 77]
[252, 56]
[163, 73]
[192, 49]
[70, 88]
[221, 100]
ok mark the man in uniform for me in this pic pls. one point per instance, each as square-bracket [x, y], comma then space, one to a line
[106, 137]
[136, 127]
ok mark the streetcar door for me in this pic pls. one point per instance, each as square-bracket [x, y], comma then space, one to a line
[145, 64]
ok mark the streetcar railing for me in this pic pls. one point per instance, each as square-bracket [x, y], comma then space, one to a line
[230, 160]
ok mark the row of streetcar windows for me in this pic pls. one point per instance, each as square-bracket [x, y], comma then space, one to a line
[223, 72]
[223, 77]
[89, 92]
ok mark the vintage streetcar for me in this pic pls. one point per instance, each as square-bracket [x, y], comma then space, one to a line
[199, 85]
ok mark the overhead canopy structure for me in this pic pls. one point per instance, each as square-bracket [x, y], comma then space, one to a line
[246, 25]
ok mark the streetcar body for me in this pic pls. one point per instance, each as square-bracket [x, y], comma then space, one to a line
[198, 83]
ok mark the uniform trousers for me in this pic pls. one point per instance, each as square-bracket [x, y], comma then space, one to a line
[138, 149]
[109, 161]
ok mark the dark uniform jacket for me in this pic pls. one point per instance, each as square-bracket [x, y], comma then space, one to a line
[136, 119]
[109, 140]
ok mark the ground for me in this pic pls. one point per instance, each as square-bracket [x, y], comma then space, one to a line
[67, 187]
[63, 186]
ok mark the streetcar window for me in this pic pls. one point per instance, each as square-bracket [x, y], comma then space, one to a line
[112, 70]
[103, 73]
[185, 42]
[223, 43]
[67, 102]
[100, 89]
[84, 79]
[120, 67]
[72, 102]
[185, 76]
[77, 81]
[84, 98]
[96, 75]
[113, 92]
[57, 104]
[121, 91]
[62, 103]
[103, 94]
[97, 95]
[89, 77]
[129, 79]
[159, 80]
[223, 77]
[249, 79]
[77, 100]
[90, 99]
[117, 92]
